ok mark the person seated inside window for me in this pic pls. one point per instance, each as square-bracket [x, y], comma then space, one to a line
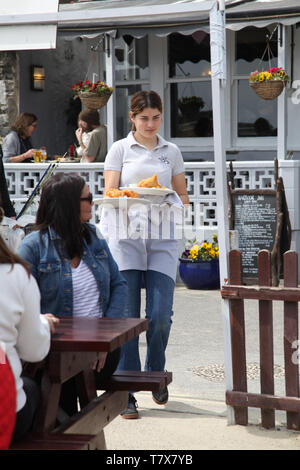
[91, 136]
[17, 145]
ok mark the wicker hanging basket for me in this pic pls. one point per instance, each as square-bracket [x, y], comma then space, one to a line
[93, 100]
[268, 90]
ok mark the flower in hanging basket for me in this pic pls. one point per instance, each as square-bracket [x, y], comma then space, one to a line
[273, 73]
[201, 251]
[268, 85]
[100, 88]
[92, 95]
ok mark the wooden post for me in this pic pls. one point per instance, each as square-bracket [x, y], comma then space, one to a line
[290, 335]
[266, 337]
[238, 343]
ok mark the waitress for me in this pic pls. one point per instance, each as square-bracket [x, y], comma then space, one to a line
[140, 155]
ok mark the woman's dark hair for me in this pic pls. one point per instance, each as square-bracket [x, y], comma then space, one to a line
[90, 116]
[144, 99]
[59, 208]
[23, 121]
[6, 255]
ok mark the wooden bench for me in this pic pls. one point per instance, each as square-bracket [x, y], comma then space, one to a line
[55, 441]
[153, 381]
[97, 414]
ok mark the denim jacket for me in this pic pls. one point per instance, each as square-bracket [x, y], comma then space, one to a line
[54, 276]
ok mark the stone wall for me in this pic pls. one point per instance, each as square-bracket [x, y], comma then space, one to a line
[9, 91]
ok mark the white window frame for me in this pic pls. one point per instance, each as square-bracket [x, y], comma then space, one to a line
[160, 82]
[186, 144]
[242, 143]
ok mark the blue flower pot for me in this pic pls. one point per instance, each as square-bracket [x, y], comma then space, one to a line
[200, 275]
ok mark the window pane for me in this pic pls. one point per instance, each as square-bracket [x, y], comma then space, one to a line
[131, 58]
[123, 98]
[250, 47]
[189, 56]
[191, 110]
[256, 117]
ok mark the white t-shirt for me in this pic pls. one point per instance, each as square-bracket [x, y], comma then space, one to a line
[86, 295]
[136, 162]
[24, 332]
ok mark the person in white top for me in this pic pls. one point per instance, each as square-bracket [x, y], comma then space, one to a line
[24, 332]
[139, 156]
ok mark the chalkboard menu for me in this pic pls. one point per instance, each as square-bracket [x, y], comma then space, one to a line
[255, 219]
[261, 218]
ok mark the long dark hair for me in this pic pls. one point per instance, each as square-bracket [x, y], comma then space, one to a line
[23, 121]
[59, 208]
[6, 255]
[144, 99]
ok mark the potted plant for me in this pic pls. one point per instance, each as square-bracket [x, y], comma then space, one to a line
[92, 95]
[268, 85]
[199, 265]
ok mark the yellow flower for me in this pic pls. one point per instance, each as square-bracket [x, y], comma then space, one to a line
[194, 251]
[194, 254]
[261, 78]
[268, 75]
[202, 251]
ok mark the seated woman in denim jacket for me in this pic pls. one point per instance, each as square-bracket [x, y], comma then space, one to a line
[74, 268]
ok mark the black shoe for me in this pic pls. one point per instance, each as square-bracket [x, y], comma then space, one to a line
[131, 411]
[161, 397]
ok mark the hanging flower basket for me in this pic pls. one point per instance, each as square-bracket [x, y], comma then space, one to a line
[92, 95]
[268, 85]
[268, 90]
[93, 100]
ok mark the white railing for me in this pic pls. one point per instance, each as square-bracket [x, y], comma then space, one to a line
[200, 177]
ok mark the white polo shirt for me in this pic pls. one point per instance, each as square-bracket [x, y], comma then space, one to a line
[136, 162]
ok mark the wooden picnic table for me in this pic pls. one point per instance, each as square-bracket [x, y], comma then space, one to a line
[75, 346]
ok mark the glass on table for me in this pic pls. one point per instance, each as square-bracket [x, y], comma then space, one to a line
[44, 153]
[37, 155]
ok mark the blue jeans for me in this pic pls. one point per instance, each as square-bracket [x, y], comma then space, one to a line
[159, 304]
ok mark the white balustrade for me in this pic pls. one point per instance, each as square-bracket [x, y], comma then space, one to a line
[201, 216]
[200, 177]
